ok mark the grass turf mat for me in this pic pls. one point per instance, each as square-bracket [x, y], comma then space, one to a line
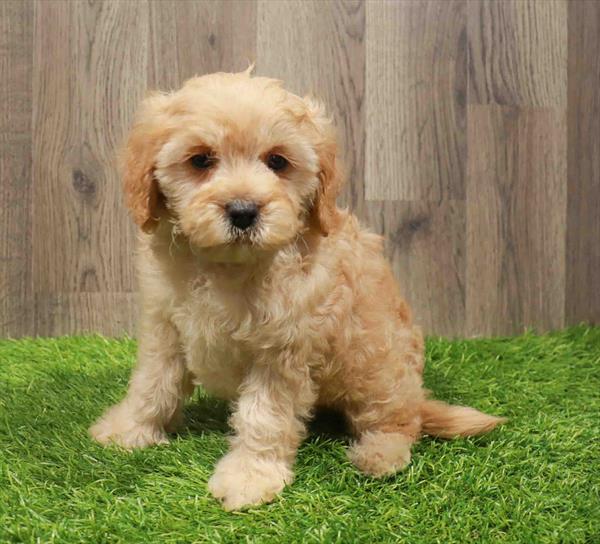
[536, 479]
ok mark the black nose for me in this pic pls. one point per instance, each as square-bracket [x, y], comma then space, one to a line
[242, 214]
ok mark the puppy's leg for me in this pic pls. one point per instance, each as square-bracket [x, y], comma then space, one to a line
[275, 400]
[157, 390]
[387, 425]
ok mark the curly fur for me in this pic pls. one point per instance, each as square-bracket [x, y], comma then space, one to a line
[301, 311]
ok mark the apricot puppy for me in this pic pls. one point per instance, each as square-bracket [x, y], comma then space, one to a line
[256, 286]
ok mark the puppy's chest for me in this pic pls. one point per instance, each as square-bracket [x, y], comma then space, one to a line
[222, 332]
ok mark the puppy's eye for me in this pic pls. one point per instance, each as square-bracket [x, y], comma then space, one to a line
[277, 162]
[202, 161]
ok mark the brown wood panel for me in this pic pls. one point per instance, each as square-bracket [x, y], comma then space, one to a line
[516, 216]
[90, 65]
[517, 52]
[425, 244]
[16, 308]
[195, 38]
[318, 48]
[415, 100]
[583, 189]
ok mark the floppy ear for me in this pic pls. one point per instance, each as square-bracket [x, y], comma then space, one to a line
[142, 194]
[325, 210]
[330, 178]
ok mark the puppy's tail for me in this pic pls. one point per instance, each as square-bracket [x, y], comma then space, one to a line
[448, 421]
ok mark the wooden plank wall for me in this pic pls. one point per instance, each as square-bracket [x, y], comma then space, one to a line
[471, 135]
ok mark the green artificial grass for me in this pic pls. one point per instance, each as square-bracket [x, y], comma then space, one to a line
[536, 479]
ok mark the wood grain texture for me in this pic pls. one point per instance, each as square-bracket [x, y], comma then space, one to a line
[516, 217]
[470, 130]
[84, 96]
[318, 48]
[416, 151]
[583, 218]
[108, 313]
[518, 52]
[415, 106]
[425, 244]
[16, 293]
[194, 38]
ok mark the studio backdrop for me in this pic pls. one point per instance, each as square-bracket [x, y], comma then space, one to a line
[470, 132]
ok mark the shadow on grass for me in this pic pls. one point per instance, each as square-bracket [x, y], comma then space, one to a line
[329, 423]
[208, 414]
[205, 414]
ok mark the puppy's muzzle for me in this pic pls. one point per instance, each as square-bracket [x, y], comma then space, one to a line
[242, 214]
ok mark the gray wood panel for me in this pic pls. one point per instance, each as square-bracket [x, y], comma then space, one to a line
[16, 293]
[415, 106]
[470, 130]
[583, 189]
[425, 244]
[111, 313]
[84, 95]
[518, 52]
[416, 85]
[516, 217]
[195, 38]
[516, 178]
[317, 48]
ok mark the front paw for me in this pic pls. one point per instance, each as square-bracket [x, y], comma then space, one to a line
[118, 426]
[242, 479]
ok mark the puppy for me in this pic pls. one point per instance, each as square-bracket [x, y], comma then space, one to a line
[255, 285]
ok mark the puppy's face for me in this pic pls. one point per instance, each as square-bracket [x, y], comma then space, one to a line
[239, 165]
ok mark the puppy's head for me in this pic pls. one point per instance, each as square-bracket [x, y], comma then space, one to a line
[237, 164]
